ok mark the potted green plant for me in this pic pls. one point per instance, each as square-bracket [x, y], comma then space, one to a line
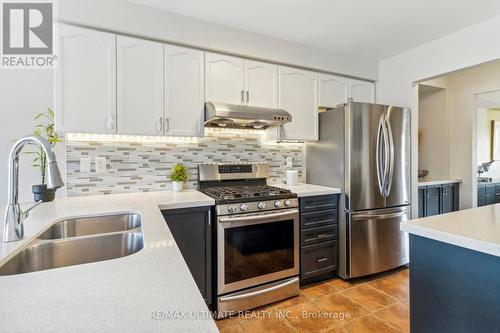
[44, 127]
[179, 176]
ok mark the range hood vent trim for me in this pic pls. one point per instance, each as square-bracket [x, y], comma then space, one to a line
[223, 115]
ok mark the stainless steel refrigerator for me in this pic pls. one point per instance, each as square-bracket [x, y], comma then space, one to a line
[364, 149]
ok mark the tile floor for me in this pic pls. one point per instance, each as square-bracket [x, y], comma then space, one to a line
[377, 304]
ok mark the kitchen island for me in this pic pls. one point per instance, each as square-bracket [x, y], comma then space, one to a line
[149, 291]
[455, 266]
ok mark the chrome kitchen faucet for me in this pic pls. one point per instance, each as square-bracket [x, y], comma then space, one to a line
[14, 216]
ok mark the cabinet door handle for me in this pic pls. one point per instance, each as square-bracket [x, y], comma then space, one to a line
[168, 124]
[242, 96]
[322, 260]
[248, 96]
[321, 236]
[159, 124]
[112, 122]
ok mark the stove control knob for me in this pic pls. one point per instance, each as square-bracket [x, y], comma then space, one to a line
[277, 204]
[287, 203]
[231, 209]
[261, 205]
[244, 207]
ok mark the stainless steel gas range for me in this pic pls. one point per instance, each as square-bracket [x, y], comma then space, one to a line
[257, 236]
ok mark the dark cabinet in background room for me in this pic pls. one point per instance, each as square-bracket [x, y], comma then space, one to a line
[437, 199]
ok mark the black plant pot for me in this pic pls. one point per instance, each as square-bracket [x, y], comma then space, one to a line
[42, 193]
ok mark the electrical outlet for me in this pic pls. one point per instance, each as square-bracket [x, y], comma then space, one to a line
[85, 164]
[289, 162]
[100, 164]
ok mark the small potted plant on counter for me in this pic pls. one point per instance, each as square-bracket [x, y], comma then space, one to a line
[44, 128]
[179, 176]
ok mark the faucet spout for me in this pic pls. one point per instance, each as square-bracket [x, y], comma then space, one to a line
[14, 216]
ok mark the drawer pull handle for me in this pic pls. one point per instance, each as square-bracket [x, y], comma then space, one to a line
[321, 236]
[322, 260]
[319, 206]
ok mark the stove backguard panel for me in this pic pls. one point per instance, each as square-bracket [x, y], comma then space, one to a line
[142, 166]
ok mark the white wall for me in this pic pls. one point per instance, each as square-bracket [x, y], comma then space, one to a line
[433, 124]
[483, 136]
[24, 93]
[125, 17]
[467, 47]
[484, 118]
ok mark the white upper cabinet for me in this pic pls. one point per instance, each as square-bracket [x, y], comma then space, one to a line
[261, 84]
[140, 86]
[85, 81]
[184, 91]
[333, 90]
[224, 81]
[362, 91]
[238, 81]
[298, 94]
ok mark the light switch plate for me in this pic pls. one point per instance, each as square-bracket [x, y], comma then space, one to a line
[100, 164]
[84, 164]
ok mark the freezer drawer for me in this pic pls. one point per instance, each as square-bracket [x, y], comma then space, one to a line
[375, 241]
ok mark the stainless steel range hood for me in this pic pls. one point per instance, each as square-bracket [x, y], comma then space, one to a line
[243, 116]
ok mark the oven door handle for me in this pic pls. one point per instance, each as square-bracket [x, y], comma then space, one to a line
[258, 292]
[276, 216]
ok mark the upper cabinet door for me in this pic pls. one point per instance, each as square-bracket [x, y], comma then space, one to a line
[224, 79]
[184, 95]
[140, 86]
[362, 91]
[261, 84]
[85, 81]
[299, 96]
[333, 90]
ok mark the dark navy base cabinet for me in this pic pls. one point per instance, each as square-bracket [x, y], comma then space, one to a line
[488, 194]
[318, 238]
[452, 289]
[192, 231]
[437, 199]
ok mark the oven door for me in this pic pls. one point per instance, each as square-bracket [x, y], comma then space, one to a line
[254, 249]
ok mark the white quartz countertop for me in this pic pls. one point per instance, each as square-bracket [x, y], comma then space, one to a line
[116, 295]
[475, 229]
[308, 190]
[436, 181]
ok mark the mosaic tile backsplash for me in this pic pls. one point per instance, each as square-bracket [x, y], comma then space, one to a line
[142, 166]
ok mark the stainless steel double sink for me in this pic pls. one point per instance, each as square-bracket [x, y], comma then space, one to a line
[79, 241]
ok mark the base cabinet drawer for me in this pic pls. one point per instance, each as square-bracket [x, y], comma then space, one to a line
[318, 219]
[318, 259]
[318, 235]
[322, 202]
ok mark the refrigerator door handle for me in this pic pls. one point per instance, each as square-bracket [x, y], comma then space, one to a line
[390, 167]
[378, 217]
[378, 153]
[387, 148]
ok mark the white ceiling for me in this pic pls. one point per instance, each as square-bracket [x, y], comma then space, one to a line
[374, 29]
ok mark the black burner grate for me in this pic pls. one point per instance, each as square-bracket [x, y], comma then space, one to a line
[245, 192]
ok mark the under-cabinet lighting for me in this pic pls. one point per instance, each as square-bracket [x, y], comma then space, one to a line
[283, 143]
[86, 137]
[209, 132]
[250, 132]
